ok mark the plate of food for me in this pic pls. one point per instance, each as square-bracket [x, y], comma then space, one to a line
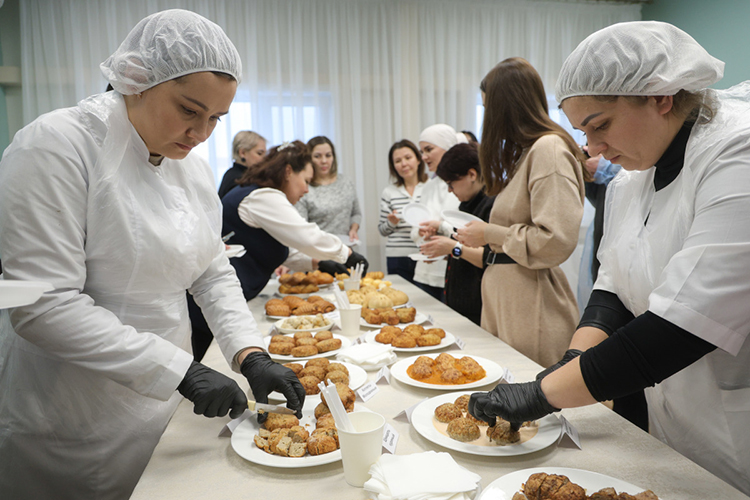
[303, 283]
[376, 318]
[249, 432]
[312, 324]
[529, 481]
[294, 305]
[445, 421]
[458, 219]
[316, 370]
[444, 372]
[411, 338]
[304, 345]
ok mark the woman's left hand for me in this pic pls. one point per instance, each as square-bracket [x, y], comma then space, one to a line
[353, 236]
[472, 234]
[429, 228]
[281, 270]
[437, 246]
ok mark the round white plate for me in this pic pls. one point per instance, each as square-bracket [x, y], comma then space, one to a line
[357, 378]
[415, 213]
[458, 218]
[420, 257]
[235, 251]
[333, 315]
[444, 342]
[21, 293]
[345, 342]
[311, 330]
[244, 445]
[422, 420]
[591, 481]
[494, 372]
[419, 318]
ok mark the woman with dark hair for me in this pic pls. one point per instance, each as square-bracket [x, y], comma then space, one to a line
[248, 149]
[535, 169]
[260, 212]
[408, 173]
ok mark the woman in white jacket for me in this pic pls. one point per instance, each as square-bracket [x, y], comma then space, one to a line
[121, 220]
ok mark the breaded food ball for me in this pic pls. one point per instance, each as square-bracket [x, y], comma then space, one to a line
[447, 412]
[280, 421]
[329, 345]
[325, 421]
[302, 335]
[426, 360]
[404, 341]
[406, 314]
[463, 402]
[282, 338]
[307, 341]
[501, 433]
[337, 367]
[324, 335]
[324, 362]
[328, 431]
[310, 384]
[321, 443]
[437, 331]
[303, 351]
[480, 423]
[464, 430]
[337, 377]
[414, 330]
[470, 367]
[282, 348]
[320, 410]
[295, 367]
[451, 375]
[346, 395]
[421, 371]
[445, 361]
[428, 339]
[384, 337]
[391, 329]
[315, 371]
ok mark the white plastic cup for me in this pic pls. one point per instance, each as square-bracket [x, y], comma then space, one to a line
[351, 284]
[362, 448]
[350, 320]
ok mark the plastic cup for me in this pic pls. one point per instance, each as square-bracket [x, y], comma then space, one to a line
[351, 284]
[350, 320]
[361, 448]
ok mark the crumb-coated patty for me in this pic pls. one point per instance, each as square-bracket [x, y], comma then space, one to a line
[316, 371]
[501, 433]
[310, 384]
[304, 350]
[282, 348]
[404, 341]
[447, 412]
[337, 367]
[428, 339]
[321, 443]
[462, 402]
[280, 421]
[464, 430]
[295, 367]
[437, 331]
[320, 410]
[324, 335]
[424, 360]
[324, 362]
[337, 377]
[384, 337]
[346, 395]
[329, 345]
[307, 341]
[421, 370]
[302, 335]
[451, 375]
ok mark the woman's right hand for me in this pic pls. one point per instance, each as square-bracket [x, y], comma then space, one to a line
[393, 218]
[472, 234]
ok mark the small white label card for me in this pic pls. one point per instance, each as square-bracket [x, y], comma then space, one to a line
[273, 330]
[360, 339]
[228, 429]
[460, 343]
[384, 375]
[367, 391]
[406, 414]
[507, 377]
[569, 436]
[430, 320]
[390, 438]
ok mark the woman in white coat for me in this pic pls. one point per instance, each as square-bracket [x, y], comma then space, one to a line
[669, 311]
[121, 220]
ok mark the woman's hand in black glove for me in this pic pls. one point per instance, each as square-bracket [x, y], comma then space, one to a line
[569, 355]
[266, 376]
[516, 403]
[212, 393]
[354, 259]
[332, 267]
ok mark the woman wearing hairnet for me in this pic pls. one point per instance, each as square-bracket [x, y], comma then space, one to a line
[121, 220]
[669, 311]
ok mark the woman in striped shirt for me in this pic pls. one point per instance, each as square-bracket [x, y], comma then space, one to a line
[408, 172]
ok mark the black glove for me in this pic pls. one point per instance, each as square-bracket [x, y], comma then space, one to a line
[354, 259]
[332, 267]
[516, 403]
[569, 355]
[212, 393]
[266, 376]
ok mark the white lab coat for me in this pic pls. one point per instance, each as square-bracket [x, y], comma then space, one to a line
[436, 197]
[690, 264]
[88, 373]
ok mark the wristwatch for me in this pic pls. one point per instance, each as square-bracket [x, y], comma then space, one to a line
[457, 251]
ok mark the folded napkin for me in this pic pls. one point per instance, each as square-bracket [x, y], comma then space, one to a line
[421, 476]
[367, 355]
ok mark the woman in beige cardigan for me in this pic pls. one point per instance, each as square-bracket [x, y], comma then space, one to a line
[535, 169]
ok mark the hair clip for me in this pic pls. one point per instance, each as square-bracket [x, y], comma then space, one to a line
[284, 145]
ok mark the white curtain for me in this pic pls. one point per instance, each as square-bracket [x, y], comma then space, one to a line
[363, 72]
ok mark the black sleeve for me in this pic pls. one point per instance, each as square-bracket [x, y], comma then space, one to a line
[640, 354]
[605, 311]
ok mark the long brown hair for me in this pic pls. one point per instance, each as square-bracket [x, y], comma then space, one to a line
[406, 143]
[271, 172]
[516, 115]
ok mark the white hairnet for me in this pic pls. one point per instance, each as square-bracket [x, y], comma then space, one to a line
[442, 135]
[166, 45]
[637, 58]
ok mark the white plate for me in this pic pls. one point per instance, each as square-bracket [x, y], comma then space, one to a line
[458, 218]
[357, 378]
[21, 293]
[311, 330]
[444, 342]
[244, 445]
[422, 420]
[420, 257]
[333, 315]
[345, 342]
[494, 372]
[591, 481]
[235, 251]
[419, 318]
[415, 213]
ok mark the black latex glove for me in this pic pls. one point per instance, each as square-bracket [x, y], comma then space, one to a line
[569, 355]
[354, 259]
[332, 267]
[212, 393]
[516, 403]
[266, 376]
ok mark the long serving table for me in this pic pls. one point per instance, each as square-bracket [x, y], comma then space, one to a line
[192, 461]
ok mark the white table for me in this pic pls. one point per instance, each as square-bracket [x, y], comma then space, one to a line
[192, 462]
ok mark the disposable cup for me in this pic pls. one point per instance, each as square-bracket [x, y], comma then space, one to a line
[351, 284]
[361, 448]
[350, 320]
